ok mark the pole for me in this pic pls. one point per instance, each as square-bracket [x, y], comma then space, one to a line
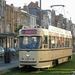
[40, 12]
[7, 54]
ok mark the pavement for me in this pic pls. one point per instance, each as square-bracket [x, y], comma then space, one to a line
[6, 67]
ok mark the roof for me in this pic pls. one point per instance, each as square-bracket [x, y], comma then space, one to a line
[33, 5]
[6, 34]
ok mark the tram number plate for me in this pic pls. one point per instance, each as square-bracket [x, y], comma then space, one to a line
[26, 58]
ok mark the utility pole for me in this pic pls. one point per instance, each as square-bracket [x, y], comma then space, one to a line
[40, 12]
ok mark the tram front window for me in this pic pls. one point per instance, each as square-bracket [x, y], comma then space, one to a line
[29, 42]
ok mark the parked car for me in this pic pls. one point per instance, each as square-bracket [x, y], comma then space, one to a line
[12, 51]
[1, 51]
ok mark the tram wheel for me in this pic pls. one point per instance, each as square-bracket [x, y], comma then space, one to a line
[55, 62]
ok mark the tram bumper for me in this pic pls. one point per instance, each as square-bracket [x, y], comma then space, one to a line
[27, 63]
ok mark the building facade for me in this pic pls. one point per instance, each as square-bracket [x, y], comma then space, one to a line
[10, 19]
[2, 8]
[41, 16]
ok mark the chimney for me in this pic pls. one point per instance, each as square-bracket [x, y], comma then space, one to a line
[12, 5]
[36, 3]
[19, 8]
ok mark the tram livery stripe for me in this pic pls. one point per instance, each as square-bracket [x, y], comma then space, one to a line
[27, 61]
[47, 49]
[52, 59]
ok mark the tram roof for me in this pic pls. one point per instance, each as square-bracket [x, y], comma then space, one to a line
[59, 30]
[50, 29]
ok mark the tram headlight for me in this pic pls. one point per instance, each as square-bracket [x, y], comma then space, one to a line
[27, 55]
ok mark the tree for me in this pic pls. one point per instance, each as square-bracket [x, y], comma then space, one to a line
[17, 29]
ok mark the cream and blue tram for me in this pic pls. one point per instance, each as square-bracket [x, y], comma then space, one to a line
[43, 48]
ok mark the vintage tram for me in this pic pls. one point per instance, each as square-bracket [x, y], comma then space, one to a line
[44, 48]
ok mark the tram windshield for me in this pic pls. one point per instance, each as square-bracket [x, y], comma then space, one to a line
[29, 42]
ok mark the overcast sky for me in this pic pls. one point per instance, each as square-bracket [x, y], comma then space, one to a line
[69, 8]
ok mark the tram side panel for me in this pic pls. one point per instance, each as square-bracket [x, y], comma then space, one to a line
[46, 57]
[43, 59]
[61, 55]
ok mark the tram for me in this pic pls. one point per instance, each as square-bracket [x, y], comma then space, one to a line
[44, 48]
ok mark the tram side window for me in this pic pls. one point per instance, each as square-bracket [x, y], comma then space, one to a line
[41, 42]
[49, 41]
[53, 42]
[61, 42]
[70, 42]
[66, 42]
[45, 42]
[57, 42]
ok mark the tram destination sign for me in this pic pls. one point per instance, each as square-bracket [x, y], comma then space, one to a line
[29, 31]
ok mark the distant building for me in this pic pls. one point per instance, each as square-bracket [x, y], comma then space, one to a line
[11, 18]
[73, 30]
[34, 9]
[53, 18]
[59, 21]
[14, 17]
[30, 20]
[2, 5]
[48, 13]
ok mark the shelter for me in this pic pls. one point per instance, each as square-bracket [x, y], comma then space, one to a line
[7, 40]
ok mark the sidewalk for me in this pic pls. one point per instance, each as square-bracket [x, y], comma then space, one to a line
[5, 67]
